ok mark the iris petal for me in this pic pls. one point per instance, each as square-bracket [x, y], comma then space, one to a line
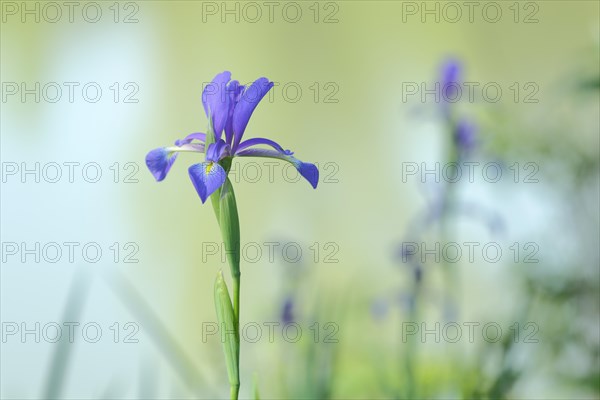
[246, 105]
[234, 90]
[207, 177]
[216, 102]
[216, 151]
[256, 141]
[309, 171]
[189, 138]
[159, 162]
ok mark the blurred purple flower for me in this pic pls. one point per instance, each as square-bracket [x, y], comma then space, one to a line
[450, 80]
[287, 313]
[465, 136]
[228, 106]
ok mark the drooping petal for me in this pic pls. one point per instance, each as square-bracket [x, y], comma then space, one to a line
[187, 148]
[218, 150]
[256, 141]
[159, 162]
[309, 171]
[207, 177]
[234, 89]
[216, 102]
[191, 137]
[246, 105]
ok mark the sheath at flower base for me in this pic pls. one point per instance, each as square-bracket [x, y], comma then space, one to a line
[228, 106]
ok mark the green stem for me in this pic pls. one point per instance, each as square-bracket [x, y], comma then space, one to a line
[233, 392]
[225, 208]
[450, 272]
[236, 311]
[410, 357]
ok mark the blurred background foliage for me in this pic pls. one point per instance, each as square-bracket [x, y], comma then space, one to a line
[367, 210]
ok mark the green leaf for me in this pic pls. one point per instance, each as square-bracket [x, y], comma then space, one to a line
[227, 326]
[62, 354]
[164, 340]
[256, 393]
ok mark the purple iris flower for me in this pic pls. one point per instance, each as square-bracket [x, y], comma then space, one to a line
[228, 106]
[450, 80]
[465, 136]
[287, 314]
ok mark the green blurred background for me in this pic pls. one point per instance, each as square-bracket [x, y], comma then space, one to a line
[350, 60]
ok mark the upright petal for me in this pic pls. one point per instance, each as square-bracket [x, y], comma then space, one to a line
[309, 171]
[234, 89]
[246, 105]
[159, 162]
[207, 177]
[216, 102]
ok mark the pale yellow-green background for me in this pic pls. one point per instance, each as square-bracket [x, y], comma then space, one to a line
[368, 133]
